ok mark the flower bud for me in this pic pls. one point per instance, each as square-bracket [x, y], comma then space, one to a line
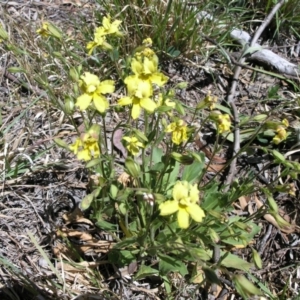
[256, 258]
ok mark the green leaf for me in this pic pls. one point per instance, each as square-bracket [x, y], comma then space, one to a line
[173, 175]
[251, 50]
[245, 287]
[193, 171]
[169, 264]
[278, 156]
[113, 191]
[93, 163]
[16, 70]
[210, 275]
[61, 143]
[233, 261]
[121, 257]
[256, 258]
[183, 159]
[157, 155]
[199, 253]
[88, 199]
[105, 225]
[145, 271]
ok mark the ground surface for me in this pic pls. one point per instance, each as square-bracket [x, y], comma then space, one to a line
[52, 182]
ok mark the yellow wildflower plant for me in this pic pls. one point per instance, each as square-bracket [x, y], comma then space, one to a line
[139, 93]
[185, 203]
[93, 90]
[44, 30]
[179, 131]
[86, 147]
[133, 145]
[101, 32]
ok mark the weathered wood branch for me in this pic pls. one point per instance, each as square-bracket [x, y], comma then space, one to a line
[266, 57]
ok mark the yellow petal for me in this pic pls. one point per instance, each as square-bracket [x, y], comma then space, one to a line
[90, 79]
[84, 154]
[91, 46]
[101, 103]
[168, 207]
[83, 101]
[148, 104]
[179, 191]
[150, 66]
[106, 86]
[127, 139]
[136, 67]
[106, 22]
[125, 101]
[194, 193]
[159, 78]
[74, 147]
[196, 212]
[136, 110]
[183, 218]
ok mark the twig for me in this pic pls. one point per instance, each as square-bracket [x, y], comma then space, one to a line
[264, 240]
[230, 101]
[231, 94]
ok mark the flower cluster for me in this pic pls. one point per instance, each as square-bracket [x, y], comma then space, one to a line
[144, 66]
[86, 146]
[185, 203]
[93, 90]
[102, 32]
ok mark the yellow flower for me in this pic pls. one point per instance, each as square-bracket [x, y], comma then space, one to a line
[111, 28]
[93, 90]
[99, 41]
[224, 123]
[133, 145]
[139, 93]
[178, 130]
[86, 147]
[101, 32]
[44, 31]
[280, 136]
[145, 65]
[185, 199]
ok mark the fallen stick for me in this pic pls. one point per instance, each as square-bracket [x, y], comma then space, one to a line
[265, 56]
